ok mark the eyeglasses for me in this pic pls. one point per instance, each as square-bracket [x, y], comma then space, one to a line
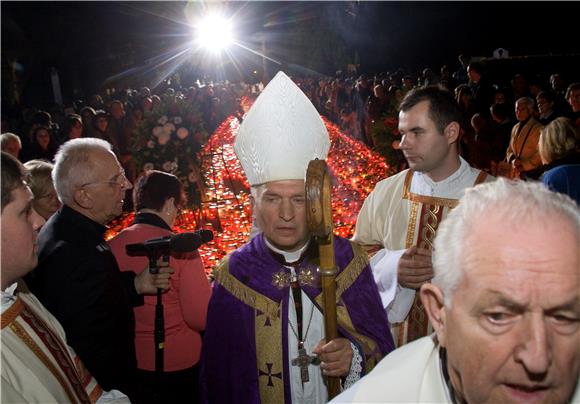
[119, 180]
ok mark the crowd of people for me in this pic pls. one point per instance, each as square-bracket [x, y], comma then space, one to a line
[365, 107]
[457, 286]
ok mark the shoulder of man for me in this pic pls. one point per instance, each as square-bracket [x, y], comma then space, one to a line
[238, 258]
[351, 261]
[60, 228]
[390, 181]
[397, 378]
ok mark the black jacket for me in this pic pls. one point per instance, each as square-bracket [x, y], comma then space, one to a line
[536, 174]
[79, 282]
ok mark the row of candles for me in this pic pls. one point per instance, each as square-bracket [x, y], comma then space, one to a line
[225, 207]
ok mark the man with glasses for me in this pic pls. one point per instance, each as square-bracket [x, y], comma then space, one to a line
[78, 278]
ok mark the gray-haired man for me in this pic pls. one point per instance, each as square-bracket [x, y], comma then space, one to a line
[504, 303]
[77, 278]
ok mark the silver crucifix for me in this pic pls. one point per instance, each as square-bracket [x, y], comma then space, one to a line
[303, 361]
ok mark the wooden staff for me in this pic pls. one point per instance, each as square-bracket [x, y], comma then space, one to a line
[319, 218]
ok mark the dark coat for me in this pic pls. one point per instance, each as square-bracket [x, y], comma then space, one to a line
[79, 282]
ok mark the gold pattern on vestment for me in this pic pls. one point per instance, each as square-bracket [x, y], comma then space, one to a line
[95, 394]
[350, 274]
[281, 279]
[244, 293]
[33, 346]
[412, 224]
[352, 271]
[9, 319]
[448, 203]
[268, 334]
[306, 277]
[269, 357]
[432, 200]
[430, 223]
[11, 313]
[430, 208]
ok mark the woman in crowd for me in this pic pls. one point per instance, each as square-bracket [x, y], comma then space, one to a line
[100, 124]
[559, 147]
[45, 200]
[158, 197]
[43, 146]
[87, 114]
[73, 127]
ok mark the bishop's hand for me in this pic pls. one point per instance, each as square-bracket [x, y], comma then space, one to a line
[335, 356]
[414, 268]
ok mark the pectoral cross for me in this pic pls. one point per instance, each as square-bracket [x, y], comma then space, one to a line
[303, 361]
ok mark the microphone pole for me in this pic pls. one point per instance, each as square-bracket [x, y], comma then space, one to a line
[161, 247]
[159, 333]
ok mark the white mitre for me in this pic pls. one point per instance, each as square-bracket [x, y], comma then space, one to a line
[281, 133]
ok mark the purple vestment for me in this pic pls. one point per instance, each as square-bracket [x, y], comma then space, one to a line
[246, 303]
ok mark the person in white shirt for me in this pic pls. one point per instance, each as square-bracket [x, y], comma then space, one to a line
[504, 302]
[402, 214]
[37, 364]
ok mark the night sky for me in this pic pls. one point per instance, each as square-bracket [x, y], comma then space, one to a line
[93, 43]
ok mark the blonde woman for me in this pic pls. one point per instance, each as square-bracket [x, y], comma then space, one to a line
[559, 147]
[45, 201]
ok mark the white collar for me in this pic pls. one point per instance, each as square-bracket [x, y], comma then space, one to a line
[8, 296]
[289, 256]
[461, 170]
[462, 177]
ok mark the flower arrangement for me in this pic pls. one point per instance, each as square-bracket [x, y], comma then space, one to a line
[168, 139]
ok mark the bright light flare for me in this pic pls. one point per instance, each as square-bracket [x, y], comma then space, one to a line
[214, 33]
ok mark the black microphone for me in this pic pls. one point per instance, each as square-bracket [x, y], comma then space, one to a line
[205, 235]
[179, 243]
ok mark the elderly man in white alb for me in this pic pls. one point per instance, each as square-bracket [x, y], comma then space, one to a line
[504, 302]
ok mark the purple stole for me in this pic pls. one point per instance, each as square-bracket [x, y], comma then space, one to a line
[245, 348]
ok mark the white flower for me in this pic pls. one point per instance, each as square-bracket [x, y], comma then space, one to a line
[182, 133]
[177, 120]
[148, 167]
[169, 128]
[158, 130]
[164, 138]
[162, 120]
[151, 144]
